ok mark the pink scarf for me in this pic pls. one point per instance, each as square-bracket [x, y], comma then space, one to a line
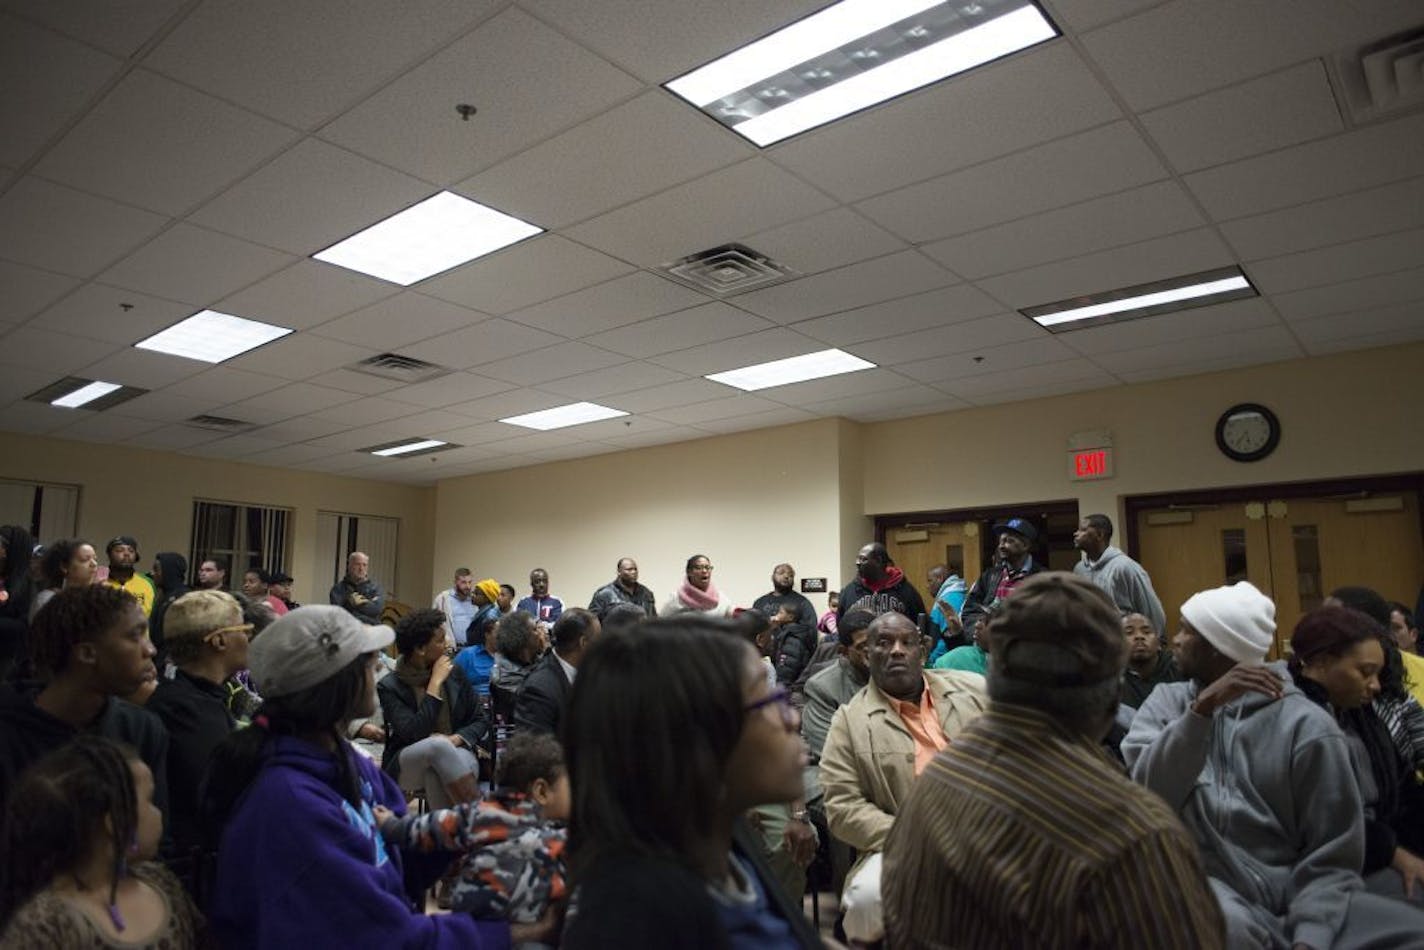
[695, 599]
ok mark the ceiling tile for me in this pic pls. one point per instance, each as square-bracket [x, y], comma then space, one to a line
[856, 285]
[751, 196]
[165, 405]
[286, 456]
[305, 294]
[105, 427]
[98, 311]
[1373, 155]
[893, 403]
[395, 321]
[118, 27]
[37, 66]
[300, 356]
[705, 324]
[739, 351]
[673, 433]
[309, 198]
[350, 381]
[365, 412]
[1230, 42]
[1275, 111]
[980, 389]
[17, 382]
[28, 290]
[615, 303]
[60, 229]
[36, 417]
[1103, 161]
[56, 353]
[161, 146]
[223, 384]
[299, 429]
[232, 447]
[1083, 14]
[970, 336]
[670, 395]
[1172, 256]
[623, 427]
[194, 265]
[848, 385]
[1366, 294]
[1019, 102]
[631, 151]
[710, 410]
[482, 343]
[476, 438]
[528, 81]
[513, 402]
[992, 361]
[892, 318]
[143, 368]
[609, 382]
[171, 438]
[529, 272]
[541, 366]
[1044, 390]
[831, 239]
[1341, 262]
[1356, 325]
[1210, 366]
[1369, 341]
[304, 62]
[448, 390]
[427, 421]
[1212, 321]
[296, 399]
[784, 416]
[1270, 340]
[1362, 214]
[659, 39]
[1098, 224]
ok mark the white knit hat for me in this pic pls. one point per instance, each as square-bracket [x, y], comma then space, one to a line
[1239, 620]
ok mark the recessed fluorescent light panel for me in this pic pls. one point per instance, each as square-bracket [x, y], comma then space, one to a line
[797, 369]
[441, 232]
[212, 337]
[408, 447]
[74, 392]
[853, 55]
[1144, 300]
[561, 417]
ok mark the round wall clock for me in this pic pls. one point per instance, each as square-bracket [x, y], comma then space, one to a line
[1248, 432]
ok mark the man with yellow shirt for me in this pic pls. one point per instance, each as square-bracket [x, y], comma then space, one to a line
[878, 743]
[123, 555]
[1406, 635]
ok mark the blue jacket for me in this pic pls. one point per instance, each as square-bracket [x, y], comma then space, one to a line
[299, 867]
[477, 662]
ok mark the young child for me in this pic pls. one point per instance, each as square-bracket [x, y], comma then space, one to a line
[81, 832]
[512, 852]
[827, 624]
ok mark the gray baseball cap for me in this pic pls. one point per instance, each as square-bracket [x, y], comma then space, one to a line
[306, 646]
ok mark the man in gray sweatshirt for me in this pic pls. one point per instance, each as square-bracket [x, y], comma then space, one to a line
[1125, 581]
[1261, 776]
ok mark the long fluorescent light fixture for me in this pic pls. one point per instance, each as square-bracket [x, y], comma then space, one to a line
[853, 55]
[441, 232]
[406, 447]
[796, 369]
[212, 337]
[74, 392]
[1144, 300]
[561, 417]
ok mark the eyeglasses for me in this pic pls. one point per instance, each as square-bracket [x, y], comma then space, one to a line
[782, 700]
[700, 567]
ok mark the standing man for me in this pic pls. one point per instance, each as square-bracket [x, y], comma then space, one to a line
[170, 581]
[505, 599]
[1092, 853]
[545, 695]
[361, 597]
[212, 574]
[1014, 562]
[795, 642]
[123, 555]
[1120, 576]
[879, 742]
[543, 606]
[623, 589]
[879, 587]
[947, 592]
[279, 585]
[458, 605]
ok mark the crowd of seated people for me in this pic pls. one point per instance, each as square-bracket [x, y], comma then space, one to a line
[1034, 764]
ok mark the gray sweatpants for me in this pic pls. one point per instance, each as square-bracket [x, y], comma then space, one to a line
[431, 764]
[1371, 923]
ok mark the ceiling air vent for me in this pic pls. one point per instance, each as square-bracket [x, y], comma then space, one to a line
[220, 424]
[1381, 79]
[402, 369]
[729, 269]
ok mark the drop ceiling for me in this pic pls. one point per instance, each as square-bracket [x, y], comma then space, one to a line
[160, 157]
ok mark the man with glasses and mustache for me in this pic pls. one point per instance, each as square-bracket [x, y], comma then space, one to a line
[878, 743]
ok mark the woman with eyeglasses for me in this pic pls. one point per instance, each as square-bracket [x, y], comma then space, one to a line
[697, 594]
[671, 735]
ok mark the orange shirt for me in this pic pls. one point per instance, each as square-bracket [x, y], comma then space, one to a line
[924, 726]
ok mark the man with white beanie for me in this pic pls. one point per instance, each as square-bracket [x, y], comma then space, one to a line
[1261, 777]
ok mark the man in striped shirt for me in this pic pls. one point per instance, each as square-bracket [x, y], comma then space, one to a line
[1023, 833]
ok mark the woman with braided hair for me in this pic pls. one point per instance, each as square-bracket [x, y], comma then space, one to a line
[80, 835]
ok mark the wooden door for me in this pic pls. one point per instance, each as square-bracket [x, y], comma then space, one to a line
[1189, 550]
[915, 550]
[1319, 544]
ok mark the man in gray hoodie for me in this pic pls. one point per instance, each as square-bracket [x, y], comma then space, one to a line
[1124, 580]
[1261, 776]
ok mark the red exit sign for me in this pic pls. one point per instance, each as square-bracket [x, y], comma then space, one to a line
[1090, 464]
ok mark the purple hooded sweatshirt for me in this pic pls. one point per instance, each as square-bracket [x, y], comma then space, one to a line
[300, 867]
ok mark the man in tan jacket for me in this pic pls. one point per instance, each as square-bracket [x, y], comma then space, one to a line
[878, 743]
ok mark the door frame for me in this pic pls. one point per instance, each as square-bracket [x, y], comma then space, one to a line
[1360, 487]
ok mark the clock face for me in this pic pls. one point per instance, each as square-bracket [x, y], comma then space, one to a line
[1248, 432]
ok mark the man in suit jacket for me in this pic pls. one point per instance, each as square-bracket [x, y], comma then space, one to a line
[541, 701]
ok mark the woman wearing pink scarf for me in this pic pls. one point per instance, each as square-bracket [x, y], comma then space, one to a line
[697, 595]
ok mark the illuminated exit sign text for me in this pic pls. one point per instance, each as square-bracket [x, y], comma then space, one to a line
[1089, 464]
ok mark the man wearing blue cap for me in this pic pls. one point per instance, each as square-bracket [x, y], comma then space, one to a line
[1013, 562]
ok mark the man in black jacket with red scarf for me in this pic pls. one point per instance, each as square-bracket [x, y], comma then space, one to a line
[879, 587]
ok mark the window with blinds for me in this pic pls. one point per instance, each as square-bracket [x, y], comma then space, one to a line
[47, 511]
[243, 536]
[338, 534]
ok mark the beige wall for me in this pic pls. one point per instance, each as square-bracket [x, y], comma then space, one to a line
[150, 495]
[1359, 413]
[747, 501]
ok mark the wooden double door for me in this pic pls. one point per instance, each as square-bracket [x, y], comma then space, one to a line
[1295, 549]
[917, 549]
